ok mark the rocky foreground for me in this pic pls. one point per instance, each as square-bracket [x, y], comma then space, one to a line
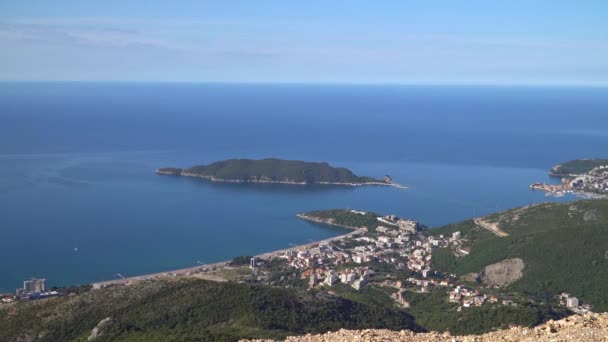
[590, 327]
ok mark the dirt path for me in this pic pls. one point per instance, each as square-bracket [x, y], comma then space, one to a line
[493, 227]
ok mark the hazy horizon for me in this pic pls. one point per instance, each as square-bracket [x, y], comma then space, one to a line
[313, 83]
[432, 43]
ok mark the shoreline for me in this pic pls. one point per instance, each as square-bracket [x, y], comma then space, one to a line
[322, 221]
[213, 179]
[191, 271]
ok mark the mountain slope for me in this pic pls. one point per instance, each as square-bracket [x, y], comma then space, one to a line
[563, 246]
[190, 310]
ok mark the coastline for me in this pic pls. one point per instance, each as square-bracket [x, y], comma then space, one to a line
[327, 222]
[213, 179]
[565, 188]
[197, 270]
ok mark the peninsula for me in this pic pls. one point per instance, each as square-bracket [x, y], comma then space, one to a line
[271, 170]
[582, 177]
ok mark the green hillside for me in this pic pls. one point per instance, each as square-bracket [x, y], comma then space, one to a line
[345, 217]
[277, 170]
[191, 310]
[564, 248]
[578, 166]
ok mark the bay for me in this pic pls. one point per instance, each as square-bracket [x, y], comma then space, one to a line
[80, 202]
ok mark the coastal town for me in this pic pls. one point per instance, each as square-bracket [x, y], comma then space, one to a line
[389, 260]
[394, 257]
[592, 183]
[33, 289]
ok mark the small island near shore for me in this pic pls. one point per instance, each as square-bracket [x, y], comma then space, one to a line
[582, 177]
[272, 170]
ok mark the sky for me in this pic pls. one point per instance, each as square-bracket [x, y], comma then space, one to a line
[528, 42]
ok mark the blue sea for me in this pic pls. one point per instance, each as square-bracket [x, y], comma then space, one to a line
[80, 202]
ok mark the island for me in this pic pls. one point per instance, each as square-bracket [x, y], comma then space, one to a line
[272, 170]
[582, 177]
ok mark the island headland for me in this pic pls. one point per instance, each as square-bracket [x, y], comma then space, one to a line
[272, 170]
[583, 177]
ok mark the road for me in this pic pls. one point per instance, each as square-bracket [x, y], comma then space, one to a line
[493, 227]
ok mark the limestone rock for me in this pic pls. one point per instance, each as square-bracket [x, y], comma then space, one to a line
[589, 328]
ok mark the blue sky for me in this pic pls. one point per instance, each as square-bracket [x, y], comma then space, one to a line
[410, 42]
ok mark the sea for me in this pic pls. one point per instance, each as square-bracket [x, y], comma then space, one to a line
[80, 201]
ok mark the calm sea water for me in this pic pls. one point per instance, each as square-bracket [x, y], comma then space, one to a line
[79, 201]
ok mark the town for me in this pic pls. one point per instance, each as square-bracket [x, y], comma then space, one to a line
[32, 289]
[593, 183]
[391, 254]
[395, 257]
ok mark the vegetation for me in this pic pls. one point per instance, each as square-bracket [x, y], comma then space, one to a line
[240, 260]
[434, 312]
[193, 310]
[563, 247]
[275, 170]
[344, 217]
[369, 295]
[578, 166]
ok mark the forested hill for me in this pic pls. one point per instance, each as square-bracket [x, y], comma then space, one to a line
[577, 167]
[564, 248]
[191, 310]
[273, 170]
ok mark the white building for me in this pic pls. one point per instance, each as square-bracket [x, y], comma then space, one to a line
[331, 278]
[572, 302]
[359, 283]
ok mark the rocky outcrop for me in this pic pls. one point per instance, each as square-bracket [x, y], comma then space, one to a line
[103, 325]
[171, 171]
[502, 273]
[588, 328]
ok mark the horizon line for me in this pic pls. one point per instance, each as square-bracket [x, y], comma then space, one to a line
[323, 83]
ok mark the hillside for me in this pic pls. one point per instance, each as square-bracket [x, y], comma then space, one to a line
[272, 170]
[577, 167]
[563, 248]
[343, 218]
[190, 310]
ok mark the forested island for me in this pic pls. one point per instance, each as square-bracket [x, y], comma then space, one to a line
[272, 170]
